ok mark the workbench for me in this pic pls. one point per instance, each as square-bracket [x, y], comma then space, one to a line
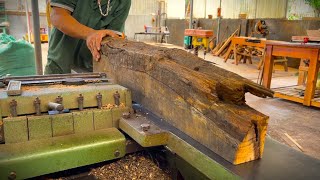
[294, 50]
[244, 41]
[156, 34]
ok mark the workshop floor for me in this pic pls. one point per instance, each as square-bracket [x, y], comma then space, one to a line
[301, 123]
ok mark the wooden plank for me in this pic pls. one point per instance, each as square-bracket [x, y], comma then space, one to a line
[236, 59]
[301, 38]
[316, 99]
[313, 33]
[288, 93]
[226, 44]
[218, 46]
[284, 87]
[295, 52]
[294, 91]
[303, 69]
[300, 88]
[268, 67]
[290, 143]
[312, 78]
[246, 41]
[290, 98]
[315, 103]
[289, 90]
[293, 44]
[294, 141]
[200, 99]
[227, 55]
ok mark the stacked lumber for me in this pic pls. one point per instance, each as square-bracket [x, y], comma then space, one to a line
[244, 52]
[243, 48]
[198, 98]
[249, 51]
[257, 52]
[222, 47]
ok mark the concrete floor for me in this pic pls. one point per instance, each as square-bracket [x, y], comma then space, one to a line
[300, 122]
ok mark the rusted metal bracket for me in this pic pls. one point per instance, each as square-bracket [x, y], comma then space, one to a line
[99, 100]
[80, 102]
[13, 108]
[36, 104]
[116, 97]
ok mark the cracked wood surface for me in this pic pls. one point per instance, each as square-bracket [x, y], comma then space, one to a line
[199, 98]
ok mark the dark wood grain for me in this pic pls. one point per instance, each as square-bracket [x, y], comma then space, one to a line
[199, 98]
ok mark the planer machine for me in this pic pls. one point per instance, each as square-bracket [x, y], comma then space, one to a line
[59, 122]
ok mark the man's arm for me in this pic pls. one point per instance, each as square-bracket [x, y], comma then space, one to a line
[61, 19]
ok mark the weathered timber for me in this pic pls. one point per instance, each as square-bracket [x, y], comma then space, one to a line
[199, 98]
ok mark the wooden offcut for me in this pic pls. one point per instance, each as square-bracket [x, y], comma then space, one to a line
[197, 97]
[294, 141]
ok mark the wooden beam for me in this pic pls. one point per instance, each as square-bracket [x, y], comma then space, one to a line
[201, 99]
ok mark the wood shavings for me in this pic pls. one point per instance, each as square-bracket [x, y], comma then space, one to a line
[135, 166]
[111, 106]
[108, 106]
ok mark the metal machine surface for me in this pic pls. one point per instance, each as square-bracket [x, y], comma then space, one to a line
[53, 126]
[90, 123]
[279, 162]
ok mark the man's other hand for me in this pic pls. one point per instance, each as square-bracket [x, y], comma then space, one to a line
[94, 41]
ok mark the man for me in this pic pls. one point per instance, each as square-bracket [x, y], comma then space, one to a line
[79, 26]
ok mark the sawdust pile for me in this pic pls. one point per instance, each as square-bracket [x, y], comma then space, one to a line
[111, 106]
[136, 166]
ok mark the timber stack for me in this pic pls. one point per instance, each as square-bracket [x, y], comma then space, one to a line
[197, 97]
[222, 47]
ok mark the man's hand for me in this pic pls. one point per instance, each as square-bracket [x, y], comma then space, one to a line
[94, 41]
[62, 20]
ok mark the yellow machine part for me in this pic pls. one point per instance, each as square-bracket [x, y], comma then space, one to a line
[43, 37]
[200, 41]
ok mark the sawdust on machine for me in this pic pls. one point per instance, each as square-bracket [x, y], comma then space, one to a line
[111, 106]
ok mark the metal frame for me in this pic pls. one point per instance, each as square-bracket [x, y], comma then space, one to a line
[36, 36]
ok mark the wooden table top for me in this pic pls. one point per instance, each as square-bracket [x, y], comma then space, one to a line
[253, 38]
[293, 44]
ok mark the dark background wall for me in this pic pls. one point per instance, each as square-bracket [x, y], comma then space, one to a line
[176, 28]
[280, 29]
[283, 30]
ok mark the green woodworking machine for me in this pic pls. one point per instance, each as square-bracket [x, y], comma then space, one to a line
[58, 122]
